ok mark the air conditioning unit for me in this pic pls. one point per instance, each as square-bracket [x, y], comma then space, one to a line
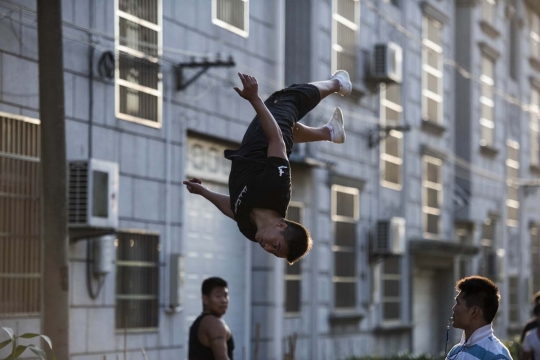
[390, 237]
[93, 194]
[387, 63]
[495, 265]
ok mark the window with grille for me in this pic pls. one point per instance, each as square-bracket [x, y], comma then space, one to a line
[345, 214]
[488, 244]
[487, 102]
[513, 299]
[20, 234]
[489, 11]
[137, 280]
[535, 258]
[432, 199]
[535, 34]
[293, 273]
[432, 70]
[138, 72]
[232, 15]
[535, 126]
[392, 146]
[512, 175]
[345, 15]
[391, 289]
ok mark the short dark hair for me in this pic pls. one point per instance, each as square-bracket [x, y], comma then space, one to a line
[482, 292]
[211, 283]
[536, 297]
[298, 240]
[536, 309]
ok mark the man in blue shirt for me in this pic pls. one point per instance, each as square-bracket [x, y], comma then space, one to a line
[476, 305]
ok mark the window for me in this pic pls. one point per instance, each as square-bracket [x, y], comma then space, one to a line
[513, 299]
[391, 287]
[535, 126]
[293, 273]
[512, 167]
[487, 102]
[344, 29]
[137, 280]
[535, 258]
[232, 15]
[138, 72]
[432, 70]
[464, 236]
[432, 199]
[487, 265]
[535, 34]
[391, 147]
[345, 213]
[20, 213]
[489, 11]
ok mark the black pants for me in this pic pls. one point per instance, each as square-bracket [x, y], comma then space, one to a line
[287, 106]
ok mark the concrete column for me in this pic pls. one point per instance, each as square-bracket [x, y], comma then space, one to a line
[55, 268]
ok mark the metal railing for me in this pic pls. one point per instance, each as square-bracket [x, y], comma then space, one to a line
[20, 253]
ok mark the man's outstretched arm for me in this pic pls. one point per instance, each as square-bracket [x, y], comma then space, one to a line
[276, 145]
[222, 202]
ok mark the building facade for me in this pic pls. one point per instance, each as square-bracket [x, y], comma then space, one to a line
[437, 179]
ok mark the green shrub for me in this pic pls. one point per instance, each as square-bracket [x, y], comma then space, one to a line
[17, 350]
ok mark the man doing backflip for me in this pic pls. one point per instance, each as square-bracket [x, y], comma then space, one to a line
[260, 178]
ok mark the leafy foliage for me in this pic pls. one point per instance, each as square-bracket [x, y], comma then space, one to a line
[17, 350]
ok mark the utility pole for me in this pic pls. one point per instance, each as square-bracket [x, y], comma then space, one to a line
[54, 234]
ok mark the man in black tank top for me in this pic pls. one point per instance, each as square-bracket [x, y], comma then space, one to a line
[209, 336]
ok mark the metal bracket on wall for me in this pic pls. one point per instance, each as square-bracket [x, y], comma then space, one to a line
[382, 132]
[182, 82]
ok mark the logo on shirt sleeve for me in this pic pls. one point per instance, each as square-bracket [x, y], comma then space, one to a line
[280, 168]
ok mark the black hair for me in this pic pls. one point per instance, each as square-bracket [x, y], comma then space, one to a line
[211, 283]
[536, 310]
[482, 292]
[298, 241]
[536, 297]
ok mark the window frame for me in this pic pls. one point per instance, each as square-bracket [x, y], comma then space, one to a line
[513, 306]
[489, 11]
[335, 248]
[427, 46]
[512, 164]
[352, 25]
[294, 277]
[534, 126]
[534, 233]
[534, 34]
[485, 100]
[229, 27]
[426, 209]
[384, 299]
[27, 273]
[118, 49]
[397, 135]
[136, 264]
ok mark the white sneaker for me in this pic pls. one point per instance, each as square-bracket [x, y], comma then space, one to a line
[346, 85]
[336, 124]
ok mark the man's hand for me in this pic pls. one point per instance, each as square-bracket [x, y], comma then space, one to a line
[251, 88]
[194, 186]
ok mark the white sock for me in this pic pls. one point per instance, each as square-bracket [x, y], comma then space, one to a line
[331, 128]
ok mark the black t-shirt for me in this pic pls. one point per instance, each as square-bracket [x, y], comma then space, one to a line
[254, 183]
[532, 324]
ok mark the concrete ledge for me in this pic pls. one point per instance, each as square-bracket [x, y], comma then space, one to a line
[345, 318]
[441, 247]
[433, 127]
[489, 29]
[392, 328]
[488, 150]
